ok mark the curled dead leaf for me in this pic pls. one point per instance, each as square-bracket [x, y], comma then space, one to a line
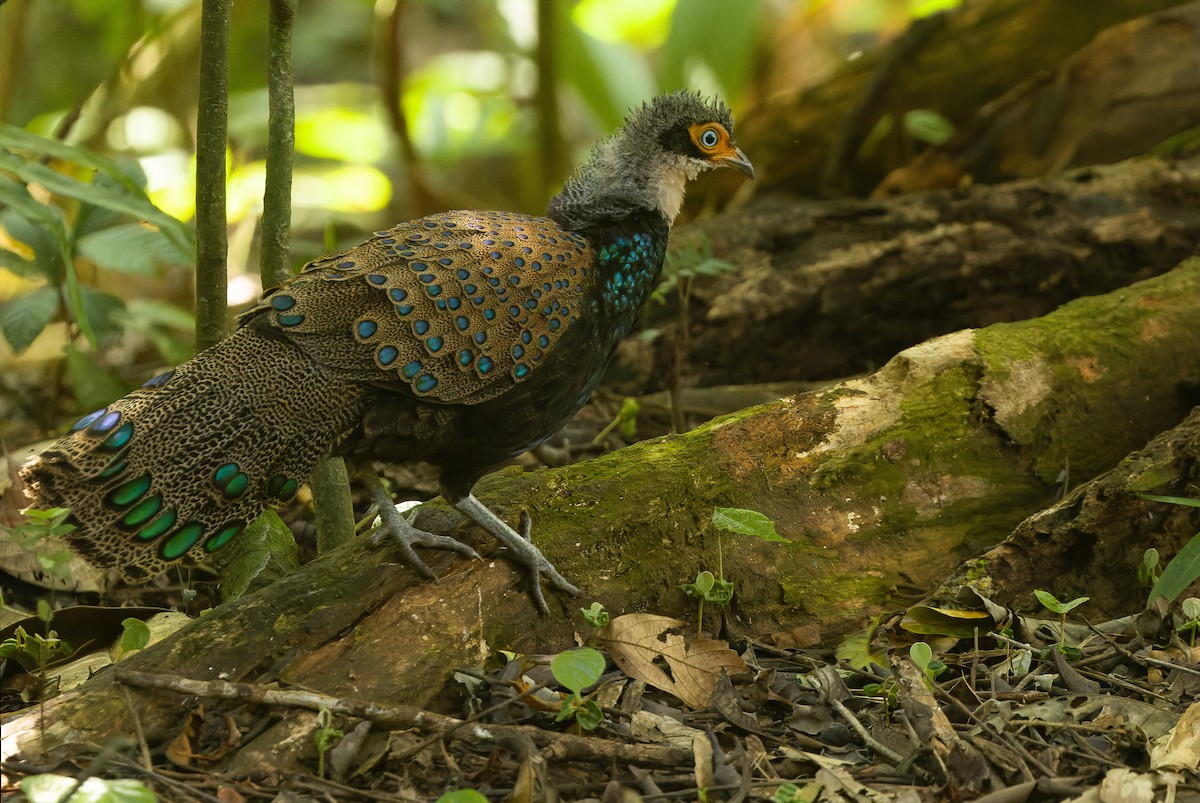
[649, 647]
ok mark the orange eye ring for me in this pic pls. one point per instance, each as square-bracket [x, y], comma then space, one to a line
[709, 137]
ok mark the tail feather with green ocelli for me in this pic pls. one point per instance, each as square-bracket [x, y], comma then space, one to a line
[180, 466]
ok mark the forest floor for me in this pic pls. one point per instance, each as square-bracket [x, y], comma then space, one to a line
[1002, 714]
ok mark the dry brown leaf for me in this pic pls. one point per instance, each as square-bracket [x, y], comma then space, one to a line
[640, 642]
[1179, 749]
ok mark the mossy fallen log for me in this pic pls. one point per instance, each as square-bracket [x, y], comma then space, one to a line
[885, 481]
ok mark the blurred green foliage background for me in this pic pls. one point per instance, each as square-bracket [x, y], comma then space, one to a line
[403, 107]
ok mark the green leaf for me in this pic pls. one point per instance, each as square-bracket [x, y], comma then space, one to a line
[1048, 600]
[1179, 573]
[611, 78]
[44, 219]
[23, 317]
[462, 796]
[265, 551]
[577, 669]
[119, 198]
[135, 634]
[589, 715]
[746, 522]
[1052, 602]
[131, 248]
[595, 615]
[19, 139]
[1174, 500]
[920, 653]
[92, 385]
[928, 126]
[103, 310]
[167, 326]
[15, 263]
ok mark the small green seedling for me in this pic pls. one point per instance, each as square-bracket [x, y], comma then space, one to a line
[1148, 571]
[325, 737]
[922, 655]
[625, 423]
[463, 796]
[708, 587]
[1052, 603]
[40, 525]
[595, 616]
[1191, 618]
[885, 691]
[576, 670]
[791, 793]
[35, 653]
[1183, 569]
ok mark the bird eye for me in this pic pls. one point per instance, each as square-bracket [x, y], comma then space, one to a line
[709, 138]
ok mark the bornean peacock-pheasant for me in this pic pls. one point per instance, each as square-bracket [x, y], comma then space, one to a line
[460, 339]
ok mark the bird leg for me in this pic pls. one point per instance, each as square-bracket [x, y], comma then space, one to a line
[395, 524]
[524, 552]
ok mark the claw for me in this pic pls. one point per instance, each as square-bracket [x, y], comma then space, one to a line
[524, 552]
[399, 527]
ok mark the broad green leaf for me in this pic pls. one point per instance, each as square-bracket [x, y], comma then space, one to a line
[44, 219]
[928, 126]
[54, 788]
[746, 522]
[611, 78]
[855, 649]
[577, 669]
[15, 263]
[135, 634]
[928, 620]
[23, 317]
[16, 138]
[131, 248]
[119, 198]
[92, 385]
[705, 581]
[103, 312]
[165, 325]
[1179, 573]
[921, 653]
[266, 549]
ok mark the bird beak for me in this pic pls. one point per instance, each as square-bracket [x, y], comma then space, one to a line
[737, 159]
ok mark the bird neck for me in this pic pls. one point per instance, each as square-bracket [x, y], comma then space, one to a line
[629, 259]
[621, 179]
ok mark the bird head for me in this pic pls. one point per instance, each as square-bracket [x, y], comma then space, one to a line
[664, 143]
[690, 131]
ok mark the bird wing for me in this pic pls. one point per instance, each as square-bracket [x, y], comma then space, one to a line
[455, 307]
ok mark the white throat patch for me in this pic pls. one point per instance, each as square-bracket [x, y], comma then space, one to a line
[669, 182]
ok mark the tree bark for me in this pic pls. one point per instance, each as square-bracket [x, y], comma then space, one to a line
[809, 143]
[831, 289]
[1098, 532]
[888, 480]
